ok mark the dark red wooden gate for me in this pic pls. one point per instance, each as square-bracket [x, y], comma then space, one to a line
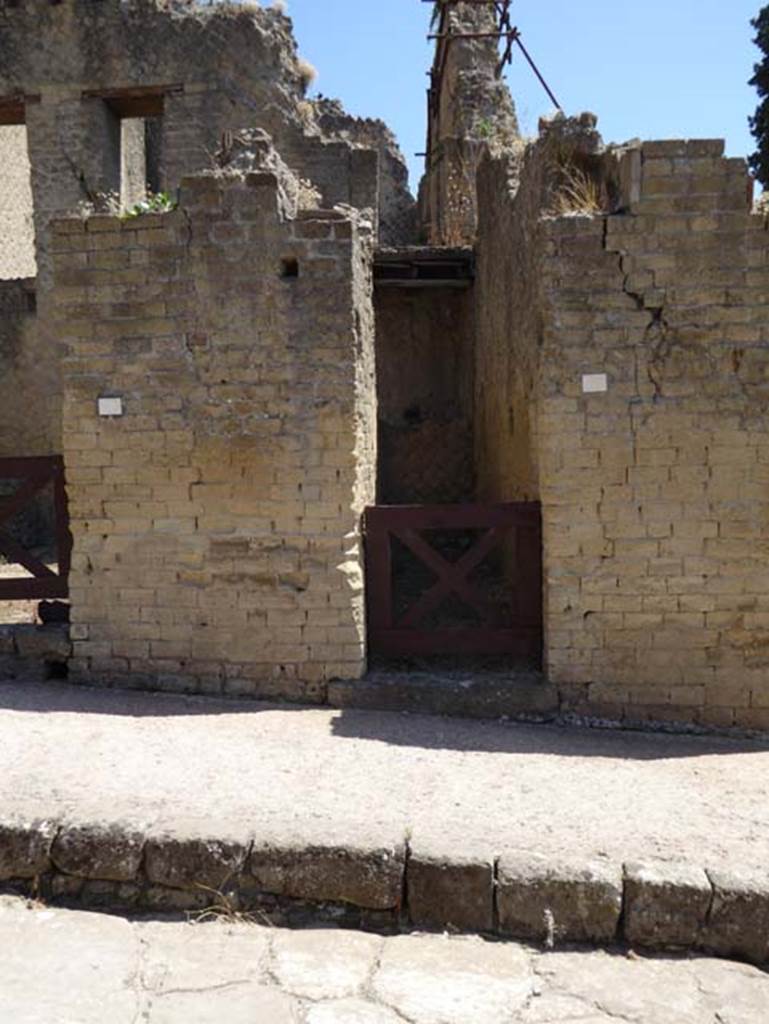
[505, 605]
[33, 476]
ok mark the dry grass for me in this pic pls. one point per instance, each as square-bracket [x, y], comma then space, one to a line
[224, 908]
[307, 73]
[577, 193]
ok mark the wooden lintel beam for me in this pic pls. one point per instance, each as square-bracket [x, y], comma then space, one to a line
[134, 101]
[13, 109]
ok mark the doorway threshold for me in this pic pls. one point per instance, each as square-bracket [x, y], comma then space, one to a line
[451, 688]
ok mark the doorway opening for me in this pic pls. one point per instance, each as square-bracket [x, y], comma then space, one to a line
[448, 577]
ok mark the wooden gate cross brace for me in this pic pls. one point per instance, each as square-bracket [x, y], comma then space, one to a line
[452, 576]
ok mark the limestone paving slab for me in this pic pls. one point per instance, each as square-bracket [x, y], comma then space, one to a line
[668, 991]
[52, 971]
[75, 967]
[317, 964]
[242, 1004]
[188, 956]
[430, 978]
[352, 1011]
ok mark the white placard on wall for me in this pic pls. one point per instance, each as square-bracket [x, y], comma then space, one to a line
[594, 383]
[110, 406]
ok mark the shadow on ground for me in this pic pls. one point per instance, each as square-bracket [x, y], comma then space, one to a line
[390, 728]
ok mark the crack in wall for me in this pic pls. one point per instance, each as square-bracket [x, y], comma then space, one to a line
[659, 336]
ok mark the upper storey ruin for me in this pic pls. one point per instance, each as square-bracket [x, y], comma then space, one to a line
[470, 112]
[118, 98]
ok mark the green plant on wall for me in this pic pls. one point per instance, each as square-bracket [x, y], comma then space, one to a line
[485, 128]
[158, 202]
[759, 123]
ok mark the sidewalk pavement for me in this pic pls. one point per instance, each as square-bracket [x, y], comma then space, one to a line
[481, 825]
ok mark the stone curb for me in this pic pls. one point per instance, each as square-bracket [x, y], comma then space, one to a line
[655, 904]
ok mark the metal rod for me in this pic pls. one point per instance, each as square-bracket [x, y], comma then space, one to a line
[474, 35]
[507, 56]
[537, 72]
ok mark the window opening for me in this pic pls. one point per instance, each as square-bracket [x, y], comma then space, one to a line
[17, 229]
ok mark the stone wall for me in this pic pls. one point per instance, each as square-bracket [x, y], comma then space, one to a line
[88, 74]
[216, 523]
[508, 314]
[424, 345]
[27, 377]
[470, 113]
[397, 208]
[209, 70]
[654, 491]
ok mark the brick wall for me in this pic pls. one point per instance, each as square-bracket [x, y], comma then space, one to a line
[216, 523]
[220, 68]
[656, 493]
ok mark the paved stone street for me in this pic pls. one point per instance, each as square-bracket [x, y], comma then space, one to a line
[72, 967]
[195, 766]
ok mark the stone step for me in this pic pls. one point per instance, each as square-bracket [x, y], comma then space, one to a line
[473, 694]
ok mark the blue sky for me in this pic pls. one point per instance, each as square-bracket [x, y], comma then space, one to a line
[654, 70]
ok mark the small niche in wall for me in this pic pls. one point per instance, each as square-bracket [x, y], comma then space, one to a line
[289, 267]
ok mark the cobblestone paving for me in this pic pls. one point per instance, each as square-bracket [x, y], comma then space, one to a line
[71, 967]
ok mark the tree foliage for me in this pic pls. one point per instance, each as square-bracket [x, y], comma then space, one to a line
[759, 123]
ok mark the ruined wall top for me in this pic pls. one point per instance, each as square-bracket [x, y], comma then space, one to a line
[397, 210]
[211, 71]
[470, 112]
[109, 43]
[469, 98]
